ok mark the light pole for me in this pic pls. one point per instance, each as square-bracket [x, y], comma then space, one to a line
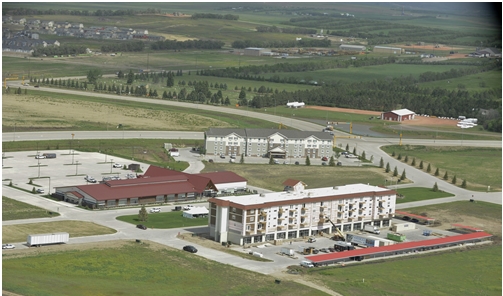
[111, 161]
[49, 186]
[76, 168]
[38, 167]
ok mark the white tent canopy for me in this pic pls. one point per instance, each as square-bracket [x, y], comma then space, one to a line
[196, 212]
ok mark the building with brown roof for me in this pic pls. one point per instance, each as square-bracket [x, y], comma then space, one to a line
[156, 186]
[299, 212]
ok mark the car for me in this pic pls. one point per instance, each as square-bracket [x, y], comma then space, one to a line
[276, 161]
[188, 207]
[331, 250]
[117, 165]
[155, 210]
[211, 160]
[39, 156]
[323, 163]
[8, 246]
[414, 220]
[90, 179]
[324, 158]
[297, 163]
[324, 250]
[222, 156]
[141, 226]
[339, 163]
[306, 264]
[36, 86]
[233, 156]
[189, 248]
[406, 218]
[40, 190]
[311, 240]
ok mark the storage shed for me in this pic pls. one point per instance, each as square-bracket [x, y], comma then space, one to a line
[387, 49]
[398, 115]
[403, 226]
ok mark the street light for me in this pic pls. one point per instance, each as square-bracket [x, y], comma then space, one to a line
[76, 168]
[111, 161]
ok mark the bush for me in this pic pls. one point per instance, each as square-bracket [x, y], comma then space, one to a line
[399, 156]
[435, 187]
[463, 185]
[395, 172]
[437, 173]
[420, 164]
[406, 158]
[428, 169]
[381, 163]
[387, 167]
[454, 180]
[446, 175]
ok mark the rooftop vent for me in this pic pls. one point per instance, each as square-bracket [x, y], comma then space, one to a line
[262, 194]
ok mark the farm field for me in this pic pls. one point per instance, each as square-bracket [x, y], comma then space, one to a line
[480, 167]
[477, 82]
[126, 267]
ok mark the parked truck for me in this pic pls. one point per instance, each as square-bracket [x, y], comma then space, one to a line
[372, 229]
[287, 251]
[36, 240]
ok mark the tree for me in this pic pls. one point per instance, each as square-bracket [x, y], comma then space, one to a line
[428, 169]
[347, 147]
[363, 157]
[413, 163]
[435, 187]
[437, 173]
[354, 151]
[143, 215]
[242, 160]
[421, 166]
[331, 162]
[403, 177]
[463, 185]
[93, 75]
[395, 172]
[271, 161]
[171, 80]
[446, 175]
[381, 163]
[242, 94]
[406, 158]
[387, 167]
[308, 161]
[399, 156]
[393, 154]
[454, 180]
[130, 77]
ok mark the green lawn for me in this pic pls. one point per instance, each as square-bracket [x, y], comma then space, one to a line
[16, 210]
[474, 83]
[460, 272]
[127, 268]
[165, 220]
[19, 232]
[480, 167]
[419, 193]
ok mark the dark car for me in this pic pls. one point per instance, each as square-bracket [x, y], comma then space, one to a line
[339, 163]
[211, 160]
[297, 163]
[324, 158]
[414, 220]
[406, 218]
[323, 163]
[222, 156]
[191, 249]
[141, 226]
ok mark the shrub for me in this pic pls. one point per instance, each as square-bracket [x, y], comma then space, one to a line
[437, 173]
[406, 158]
[399, 156]
[393, 154]
[428, 169]
[381, 163]
[395, 172]
[420, 165]
[463, 185]
[454, 180]
[435, 187]
[413, 162]
[446, 175]
[403, 177]
[387, 168]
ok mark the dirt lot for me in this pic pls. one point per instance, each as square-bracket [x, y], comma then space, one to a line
[418, 120]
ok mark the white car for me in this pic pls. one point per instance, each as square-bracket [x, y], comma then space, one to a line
[8, 246]
[90, 179]
[307, 264]
[155, 210]
[188, 207]
[117, 165]
[40, 190]
[39, 156]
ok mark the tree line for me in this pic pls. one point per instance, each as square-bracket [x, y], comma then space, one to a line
[282, 43]
[132, 46]
[188, 44]
[294, 30]
[215, 16]
[58, 50]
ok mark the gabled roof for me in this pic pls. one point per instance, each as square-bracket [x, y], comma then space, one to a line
[291, 182]
[403, 112]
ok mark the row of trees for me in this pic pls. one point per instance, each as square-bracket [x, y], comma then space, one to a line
[58, 50]
[188, 44]
[215, 16]
[282, 43]
[131, 46]
[287, 30]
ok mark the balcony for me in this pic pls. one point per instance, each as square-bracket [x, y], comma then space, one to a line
[292, 226]
[281, 211]
[264, 214]
[281, 227]
[340, 220]
[250, 232]
[351, 219]
[304, 225]
[261, 231]
[322, 221]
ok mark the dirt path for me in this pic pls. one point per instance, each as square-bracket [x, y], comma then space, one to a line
[298, 279]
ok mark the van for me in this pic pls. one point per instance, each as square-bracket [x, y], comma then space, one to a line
[307, 264]
[276, 161]
[232, 160]
[155, 210]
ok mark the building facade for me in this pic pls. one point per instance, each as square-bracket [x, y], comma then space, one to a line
[386, 49]
[283, 144]
[299, 213]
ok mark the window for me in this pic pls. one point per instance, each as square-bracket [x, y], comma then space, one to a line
[233, 217]
[252, 211]
[248, 227]
[233, 210]
[252, 219]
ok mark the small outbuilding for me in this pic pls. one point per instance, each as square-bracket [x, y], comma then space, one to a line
[398, 115]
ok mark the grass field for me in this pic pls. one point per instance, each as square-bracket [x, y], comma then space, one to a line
[16, 210]
[127, 268]
[165, 220]
[272, 176]
[480, 167]
[19, 232]
[419, 193]
[473, 83]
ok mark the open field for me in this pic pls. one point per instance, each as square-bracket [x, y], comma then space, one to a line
[480, 167]
[272, 176]
[15, 210]
[165, 220]
[19, 232]
[126, 268]
[411, 194]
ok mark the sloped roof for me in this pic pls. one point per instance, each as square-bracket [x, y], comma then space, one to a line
[223, 177]
[197, 211]
[291, 182]
[403, 112]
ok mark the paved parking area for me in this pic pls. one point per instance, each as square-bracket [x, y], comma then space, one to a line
[65, 170]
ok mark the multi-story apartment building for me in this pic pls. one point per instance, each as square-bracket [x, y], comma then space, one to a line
[266, 142]
[298, 212]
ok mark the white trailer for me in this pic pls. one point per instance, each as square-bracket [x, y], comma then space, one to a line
[48, 238]
[372, 229]
[287, 251]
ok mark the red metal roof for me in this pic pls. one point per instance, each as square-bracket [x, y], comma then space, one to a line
[414, 215]
[223, 177]
[291, 182]
[398, 247]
